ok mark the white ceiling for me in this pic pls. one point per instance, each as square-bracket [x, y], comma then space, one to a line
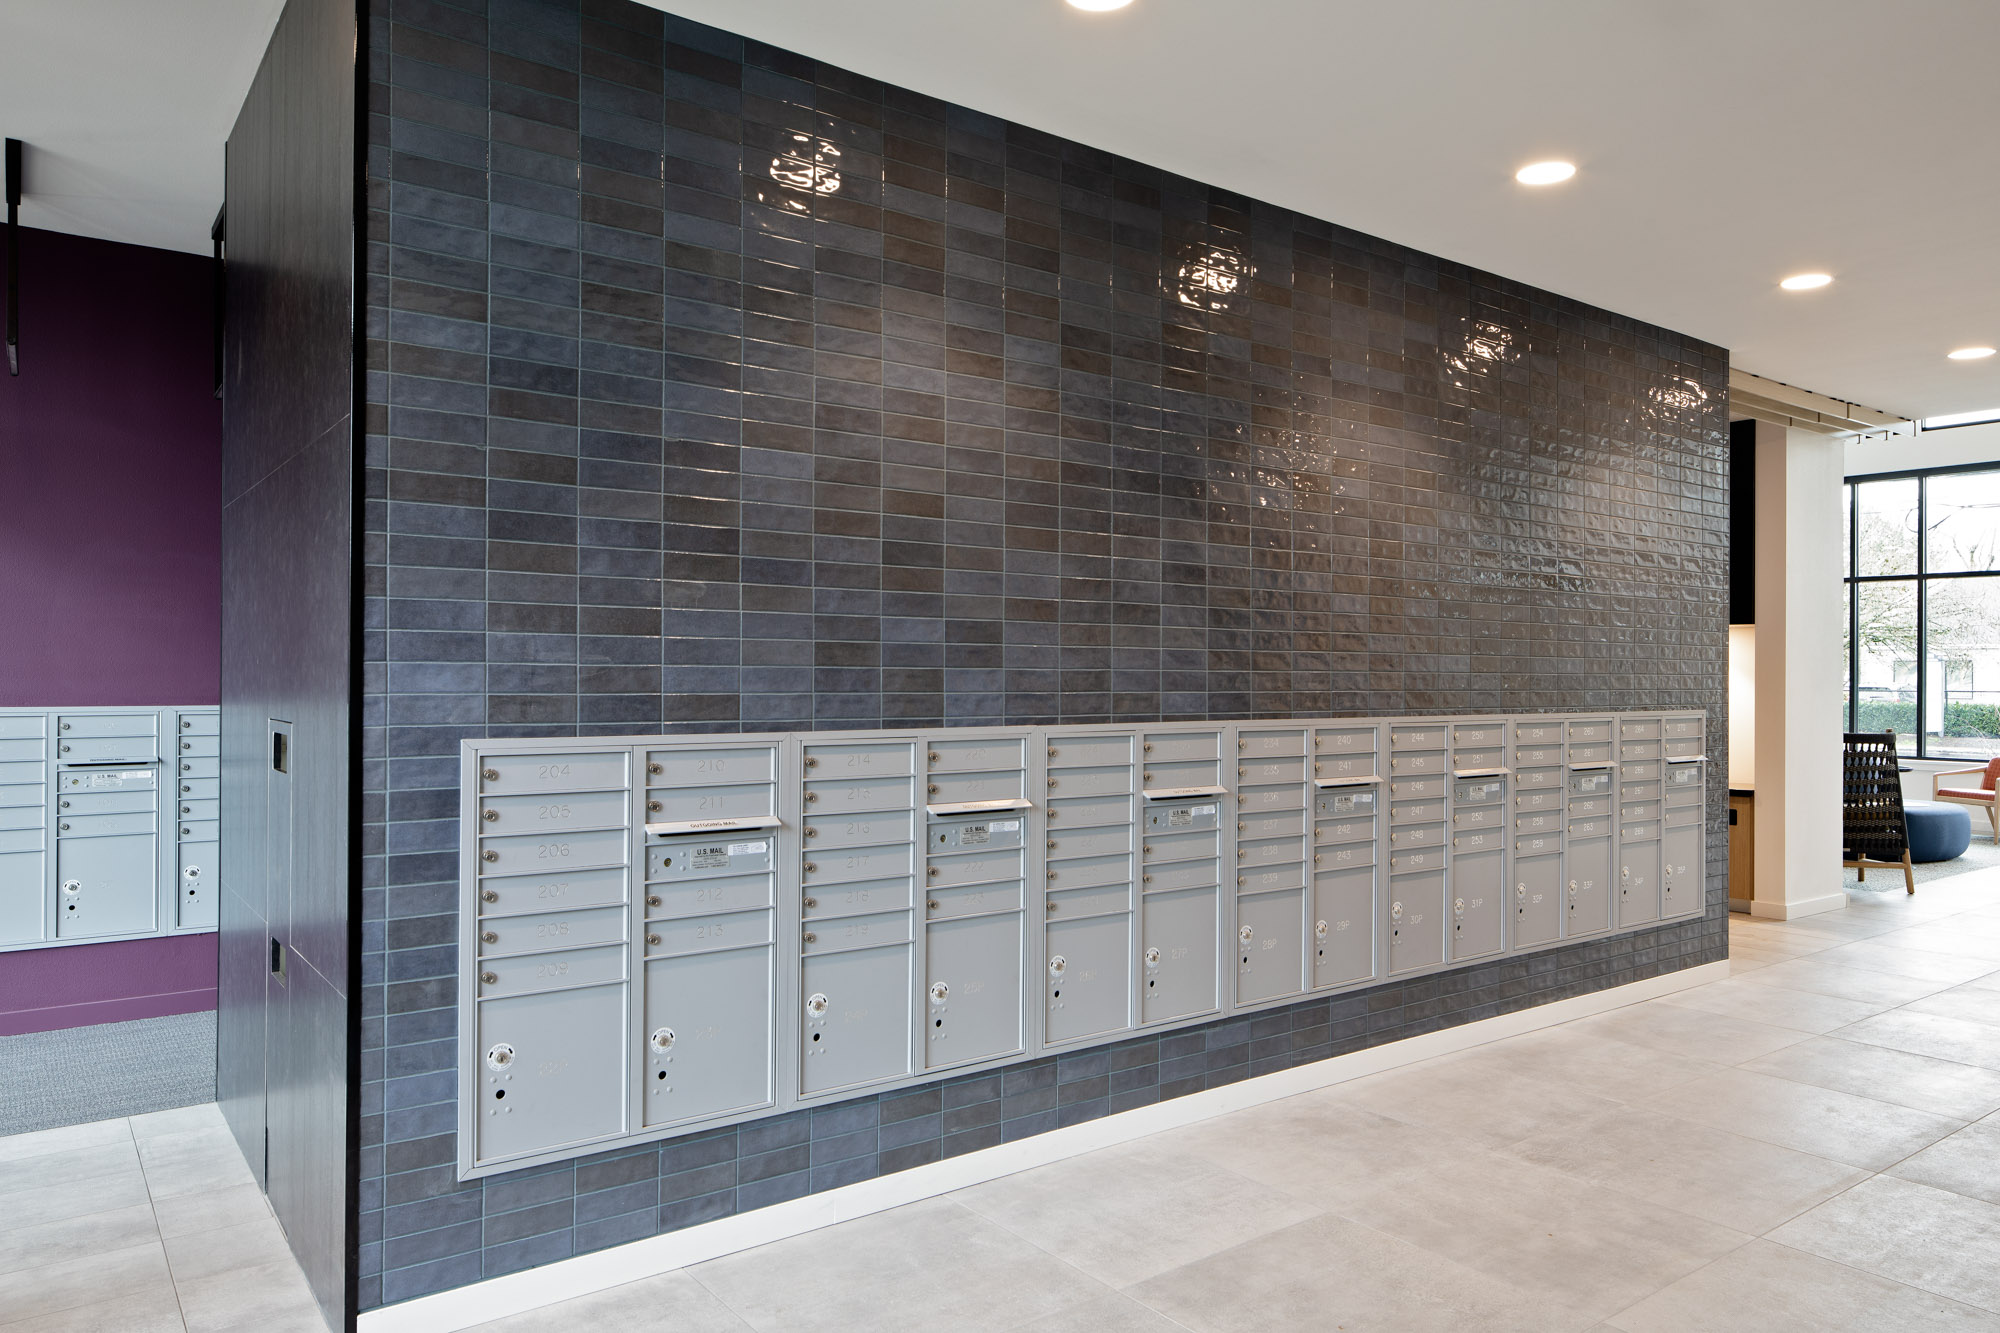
[124, 106]
[1722, 144]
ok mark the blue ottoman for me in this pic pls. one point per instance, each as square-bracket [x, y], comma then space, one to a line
[1937, 832]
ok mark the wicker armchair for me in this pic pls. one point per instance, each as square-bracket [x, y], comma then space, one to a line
[1872, 829]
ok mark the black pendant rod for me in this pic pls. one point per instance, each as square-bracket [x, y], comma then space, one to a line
[13, 256]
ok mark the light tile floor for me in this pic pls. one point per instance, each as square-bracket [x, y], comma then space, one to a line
[1811, 1144]
[150, 1224]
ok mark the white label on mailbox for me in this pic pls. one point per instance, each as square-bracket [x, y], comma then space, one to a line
[1204, 809]
[1007, 826]
[747, 849]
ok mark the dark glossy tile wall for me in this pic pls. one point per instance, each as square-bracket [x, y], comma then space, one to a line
[712, 388]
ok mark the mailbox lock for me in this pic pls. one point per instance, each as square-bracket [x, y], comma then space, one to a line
[1521, 892]
[811, 832]
[811, 938]
[1052, 844]
[655, 767]
[932, 788]
[72, 887]
[1153, 956]
[499, 1056]
[1058, 965]
[1316, 858]
[63, 827]
[939, 992]
[1052, 783]
[489, 896]
[1147, 776]
[1148, 847]
[491, 775]
[489, 977]
[661, 1041]
[931, 873]
[812, 902]
[489, 855]
[65, 726]
[652, 937]
[811, 762]
[1396, 912]
[1458, 907]
[810, 867]
[816, 1005]
[811, 796]
[652, 900]
[491, 937]
[1245, 934]
[1147, 747]
[491, 816]
[1145, 879]
[931, 903]
[1052, 874]
[1052, 905]
[1053, 813]
[1052, 752]
[1319, 930]
[653, 807]
[932, 756]
[191, 874]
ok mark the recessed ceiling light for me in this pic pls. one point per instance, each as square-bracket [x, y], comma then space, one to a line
[1805, 282]
[1970, 353]
[1099, 6]
[1536, 173]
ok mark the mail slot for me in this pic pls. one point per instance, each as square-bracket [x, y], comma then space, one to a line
[1353, 830]
[1351, 766]
[1088, 782]
[1685, 796]
[521, 814]
[1485, 734]
[831, 830]
[530, 973]
[1089, 902]
[201, 788]
[1179, 875]
[1416, 789]
[1077, 872]
[1346, 855]
[551, 930]
[526, 853]
[1344, 740]
[975, 868]
[501, 773]
[1417, 835]
[826, 797]
[733, 930]
[968, 835]
[105, 802]
[857, 863]
[1089, 751]
[1416, 738]
[1256, 800]
[721, 893]
[1538, 800]
[700, 855]
[712, 765]
[1170, 818]
[867, 895]
[1338, 803]
[1160, 847]
[1595, 783]
[1599, 753]
[1529, 755]
[1272, 770]
[704, 805]
[1544, 823]
[854, 759]
[1006, 784]
[1180, 747]
[207, 747]
[1639, 729]
[1680, 728]
[1254, 744]
[975, 754]
[1529, 779]
[942, 904]
[1538, 733]
[1639, 810]
[1090, 841]
[508, 894]
[855, 932]
[1282, 823]
[1406, 765]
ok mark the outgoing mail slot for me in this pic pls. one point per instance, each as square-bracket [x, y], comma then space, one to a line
[830, 830]
[98, 826]
[502, 773]
[729, 930]
[855, 796]
[947, 788]
[1683, 728]
[1478, 842]
[510, 894]
[1269, 851]
[990, 834]
[1083, 871]
[1179, 875]
[1528, 755]
[1288, 769]
[1182, 747]
[1630, 750]
[1256, 800]
[1401, 862]
[1590, 731]
[107, 750]
[1598, 752]
[1255, 744]
[1282, 823]
[111, 802]
[699, 897]
[1544, 823]
[106, 725]
[1462, 735]
[1485, 791]
[1089, 782]
[971, 900]
[1480, 816]
[1166, 776]
[1180, 816]
[1350, 766]
[712, 765]
[525, 814]
[1592, 783]
[855, 932]
[1538, 800]
[1416, 812]
[1417, 789]
[975, 754]
[1472, 760]
[1266, 878]
[857, 863]
[867, 895]
[1089, 841]
[1416, 738]
[696, 856]
[530, 973]
[1343, 803]
[1161, 847]
[1592, 805]
[1089, 751]
[1089, 902]
[1344, 740]
[859, 759]
[526, 853]
[503, 936]
[974, 868]
[1345, 857]
[1685, 817]
[1688, 749]
[1404, 765]
[705, 805]
[1538, 733]
[1350, 830]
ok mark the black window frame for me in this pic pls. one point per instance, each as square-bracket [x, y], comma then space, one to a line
[1921, 578]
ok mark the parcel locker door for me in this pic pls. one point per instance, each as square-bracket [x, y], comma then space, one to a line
[195, 892]
[1681, 872]
[855, 1025]
[972, 989]
[1270, 946]
[1178, 951]
[1638, 883]
[1478, 905]
[23, 891]
[1088, 979]
[550, 1070]
[1416, 921]
[107, 886]
[1343, 930]
[1538, 901]
[1589, 887]
[707, 1044]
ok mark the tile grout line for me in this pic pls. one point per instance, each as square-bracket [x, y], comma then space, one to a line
[153, 1205]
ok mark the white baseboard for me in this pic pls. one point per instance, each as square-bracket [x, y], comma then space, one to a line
[566, 1279]
[1771, 910]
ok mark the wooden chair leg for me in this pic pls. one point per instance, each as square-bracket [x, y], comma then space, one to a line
[1909, 875]
[1861, 872]
[1993, 818]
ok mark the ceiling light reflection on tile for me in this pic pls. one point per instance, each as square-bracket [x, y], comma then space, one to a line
[1805, 282]
[1970, 353]
[1098, 6]
[1212, 280]
[1545, 173]
[1486, 345]
[810, 166]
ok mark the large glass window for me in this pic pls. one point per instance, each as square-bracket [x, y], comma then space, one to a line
[1922, 640]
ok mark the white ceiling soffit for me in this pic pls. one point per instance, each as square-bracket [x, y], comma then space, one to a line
[1720, 145]
[124, 106]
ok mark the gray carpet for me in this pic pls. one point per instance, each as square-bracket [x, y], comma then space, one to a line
[49, 1079]
[1981, 855]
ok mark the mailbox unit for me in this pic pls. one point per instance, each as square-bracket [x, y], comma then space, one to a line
[664, 933]
[108, 824]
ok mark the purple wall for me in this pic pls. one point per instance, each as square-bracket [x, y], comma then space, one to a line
[110, 513]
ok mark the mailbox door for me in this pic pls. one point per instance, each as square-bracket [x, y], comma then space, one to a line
[550, 1071]
[1178, 955]
[855, 1018]
[972, 989]
[1478, 901]
[195, 891]
[1638, 883]
[1589, 887]
[1343, 929]
[23, 890]
[1682, 874]
[1416, 934]
[1537, 901]
[107, 886]
[1270, 946]
[1088, 978]
[706, 1047]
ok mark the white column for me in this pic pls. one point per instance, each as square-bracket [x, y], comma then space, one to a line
[1798, 673]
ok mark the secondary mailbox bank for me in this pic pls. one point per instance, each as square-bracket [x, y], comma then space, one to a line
[665, 933]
